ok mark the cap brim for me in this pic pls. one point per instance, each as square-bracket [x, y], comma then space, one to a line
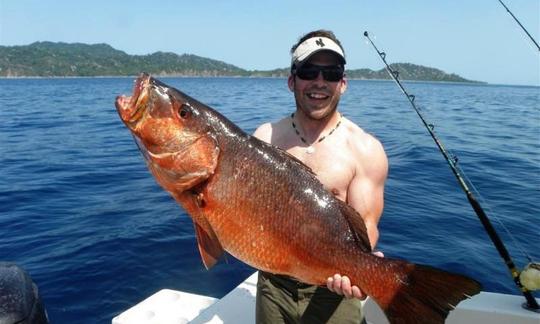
[314, 45]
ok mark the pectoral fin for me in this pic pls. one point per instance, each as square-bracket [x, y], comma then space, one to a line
[209, 246]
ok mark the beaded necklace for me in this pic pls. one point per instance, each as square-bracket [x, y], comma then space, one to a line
[310, 149]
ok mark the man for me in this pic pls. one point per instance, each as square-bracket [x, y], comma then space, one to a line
[349, 162]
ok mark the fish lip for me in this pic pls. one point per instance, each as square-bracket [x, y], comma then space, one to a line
[131, 108]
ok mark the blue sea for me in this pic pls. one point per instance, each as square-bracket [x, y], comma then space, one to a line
[82, 214]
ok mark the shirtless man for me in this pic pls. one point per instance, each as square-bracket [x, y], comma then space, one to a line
[349, 162]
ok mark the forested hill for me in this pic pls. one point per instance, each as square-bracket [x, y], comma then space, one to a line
[48, 59]
[62, 59]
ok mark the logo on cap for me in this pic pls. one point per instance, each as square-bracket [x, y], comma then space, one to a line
[319, 42]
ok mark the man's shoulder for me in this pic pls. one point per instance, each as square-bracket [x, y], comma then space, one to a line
[368, 151]
[265, 131]
[357, 132]
[362, 140]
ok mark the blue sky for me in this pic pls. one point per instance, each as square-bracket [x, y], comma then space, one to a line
[476, 39]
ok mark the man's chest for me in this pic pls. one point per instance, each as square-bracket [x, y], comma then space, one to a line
[334, 168]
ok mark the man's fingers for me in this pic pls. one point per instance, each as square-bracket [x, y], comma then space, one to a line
[346, 286]
[337, 284]
[342, 286]
[357, 293]
[330, 283]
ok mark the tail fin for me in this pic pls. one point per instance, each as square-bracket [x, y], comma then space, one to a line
[427, 295]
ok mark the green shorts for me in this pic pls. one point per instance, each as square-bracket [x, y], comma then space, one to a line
[281, 299]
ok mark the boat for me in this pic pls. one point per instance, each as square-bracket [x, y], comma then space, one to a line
[238, 306]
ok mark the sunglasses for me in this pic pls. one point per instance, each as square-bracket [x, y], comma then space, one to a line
[331, 73]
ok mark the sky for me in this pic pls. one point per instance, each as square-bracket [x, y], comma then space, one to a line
[476, 39]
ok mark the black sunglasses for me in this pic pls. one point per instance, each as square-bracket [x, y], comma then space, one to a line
[331, 73]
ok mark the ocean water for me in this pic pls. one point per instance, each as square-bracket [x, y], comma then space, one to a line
[81, 213]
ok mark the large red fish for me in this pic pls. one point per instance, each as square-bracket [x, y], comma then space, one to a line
[269, 210]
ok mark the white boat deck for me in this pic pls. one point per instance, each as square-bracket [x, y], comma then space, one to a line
[238, 306]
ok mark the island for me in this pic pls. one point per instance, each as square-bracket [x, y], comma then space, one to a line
[57, 59]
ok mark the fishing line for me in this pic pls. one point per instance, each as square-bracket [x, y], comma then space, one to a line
[520, 25]
[452, 161]
[517, 245]
[494, 215]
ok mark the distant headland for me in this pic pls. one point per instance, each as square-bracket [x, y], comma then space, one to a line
[50, 59]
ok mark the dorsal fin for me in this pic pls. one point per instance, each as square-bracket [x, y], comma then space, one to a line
[357, 226]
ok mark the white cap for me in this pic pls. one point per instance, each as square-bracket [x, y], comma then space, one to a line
[313, 45]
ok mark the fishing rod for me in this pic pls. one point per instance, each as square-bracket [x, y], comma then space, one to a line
[520, 25]
[531, 303]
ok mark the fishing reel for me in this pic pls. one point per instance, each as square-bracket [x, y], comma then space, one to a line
[530, 276]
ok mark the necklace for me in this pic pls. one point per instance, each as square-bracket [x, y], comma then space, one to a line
[310, 149]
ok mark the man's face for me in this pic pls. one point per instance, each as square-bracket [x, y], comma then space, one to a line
[318, 98]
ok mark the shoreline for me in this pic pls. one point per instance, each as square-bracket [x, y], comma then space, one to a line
[476, 83]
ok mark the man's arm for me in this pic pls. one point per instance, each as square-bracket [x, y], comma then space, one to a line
[366, 190]
[366, 195]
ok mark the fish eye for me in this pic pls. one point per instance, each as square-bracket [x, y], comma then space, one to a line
[184, 111]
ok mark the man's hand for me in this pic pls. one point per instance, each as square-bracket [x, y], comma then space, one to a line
[341, 285]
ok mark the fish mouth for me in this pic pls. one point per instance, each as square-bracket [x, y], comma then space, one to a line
[132, 108]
